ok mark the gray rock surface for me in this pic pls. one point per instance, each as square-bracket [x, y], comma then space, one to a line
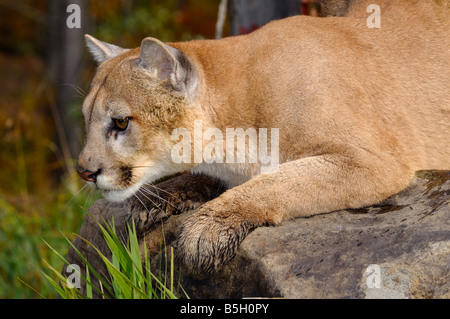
[397, 249]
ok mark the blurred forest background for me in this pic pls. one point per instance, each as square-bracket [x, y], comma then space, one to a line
[45, 72]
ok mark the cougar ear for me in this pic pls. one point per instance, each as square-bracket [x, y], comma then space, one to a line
[102, 51]
[166, 63]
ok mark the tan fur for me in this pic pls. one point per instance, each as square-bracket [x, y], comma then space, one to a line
[359, 111]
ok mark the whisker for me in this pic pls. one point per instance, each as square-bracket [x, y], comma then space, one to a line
[74, 177]
[89, 200]
[153, 185]
[75, 195]
[161, 221]
[151, 193]
[162, 190]
[141, 191]
[79, 90]
[149, 214]
[135, 195]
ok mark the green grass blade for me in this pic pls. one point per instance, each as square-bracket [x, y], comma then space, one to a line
[63, 290]
[138, 273]
[116, 246]
[148, 278]
[171, 269]
[84, 261]
[27, 285]
[88, 284]
[129, 270]
[124, 284]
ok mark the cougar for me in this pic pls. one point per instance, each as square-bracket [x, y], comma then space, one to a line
[348, 113]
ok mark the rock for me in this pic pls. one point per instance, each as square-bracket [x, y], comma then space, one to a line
[397, 249]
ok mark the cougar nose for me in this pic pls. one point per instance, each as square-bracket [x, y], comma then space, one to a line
[88, 175]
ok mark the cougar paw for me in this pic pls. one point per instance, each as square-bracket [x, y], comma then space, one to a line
[209, 239]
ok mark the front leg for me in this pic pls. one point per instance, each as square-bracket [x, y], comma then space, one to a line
[153, 203]
[299, 188]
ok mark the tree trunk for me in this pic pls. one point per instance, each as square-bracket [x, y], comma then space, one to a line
[65, 47]
[249, 15]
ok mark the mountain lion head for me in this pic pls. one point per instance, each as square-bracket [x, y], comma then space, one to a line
[135, 101]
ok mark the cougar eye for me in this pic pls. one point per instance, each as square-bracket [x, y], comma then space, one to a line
[121, 124]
